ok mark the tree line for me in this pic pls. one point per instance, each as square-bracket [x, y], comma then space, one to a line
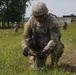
[11, 11]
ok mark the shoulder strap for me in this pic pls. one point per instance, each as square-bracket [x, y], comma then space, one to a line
[33, 26]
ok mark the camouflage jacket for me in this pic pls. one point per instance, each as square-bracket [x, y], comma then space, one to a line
[42, 32]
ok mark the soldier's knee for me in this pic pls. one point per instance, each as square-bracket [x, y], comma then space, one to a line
[31, 59]
[59, 53]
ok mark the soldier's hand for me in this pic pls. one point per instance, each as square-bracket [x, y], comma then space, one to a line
[25, 52]
[41, 55]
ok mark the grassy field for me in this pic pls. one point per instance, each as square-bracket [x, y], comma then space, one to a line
[69, 36]
[12, 62]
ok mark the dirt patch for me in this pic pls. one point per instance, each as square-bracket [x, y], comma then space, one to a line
[68, 61]
[69, 58]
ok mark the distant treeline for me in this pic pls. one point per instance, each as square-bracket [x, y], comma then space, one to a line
[11, 11]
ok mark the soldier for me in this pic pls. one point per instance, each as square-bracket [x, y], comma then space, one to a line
[15, 27]
[42, 36]
[65, 25]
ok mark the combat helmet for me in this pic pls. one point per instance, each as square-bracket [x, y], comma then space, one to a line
[39, 9]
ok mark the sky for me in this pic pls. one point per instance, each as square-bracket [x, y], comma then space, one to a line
[57, 7]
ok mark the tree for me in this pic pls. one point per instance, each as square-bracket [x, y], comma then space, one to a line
[72, 15]
[12, 10]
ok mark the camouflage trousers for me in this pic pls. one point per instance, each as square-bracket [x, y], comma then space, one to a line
[34, 62]
[64, 27]
[16, 29]
[57, 54]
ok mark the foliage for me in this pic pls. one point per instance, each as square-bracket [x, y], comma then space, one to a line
[72, 15]
[12, 10]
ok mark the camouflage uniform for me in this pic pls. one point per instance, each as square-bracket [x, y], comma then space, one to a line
[65, 25]
[16, 27]
[48, 38]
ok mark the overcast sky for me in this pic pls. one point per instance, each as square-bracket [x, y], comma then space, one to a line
[57, 7]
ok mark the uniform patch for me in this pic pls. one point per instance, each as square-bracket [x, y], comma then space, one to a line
[26, 25]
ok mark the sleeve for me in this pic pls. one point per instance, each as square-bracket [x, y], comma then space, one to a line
[55, 36]
[55, 32]
[26, 35]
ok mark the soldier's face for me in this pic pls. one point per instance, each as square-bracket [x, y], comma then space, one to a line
[40, 18]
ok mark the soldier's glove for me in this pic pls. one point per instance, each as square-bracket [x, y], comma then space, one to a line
[41, 55]
[25, 52]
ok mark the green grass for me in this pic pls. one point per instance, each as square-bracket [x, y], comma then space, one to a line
[12, 62]
[69, 36]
